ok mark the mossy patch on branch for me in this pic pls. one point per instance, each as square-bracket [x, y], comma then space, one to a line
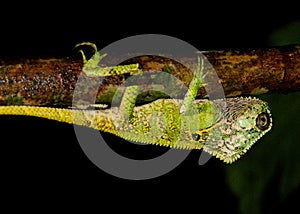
[13, 100]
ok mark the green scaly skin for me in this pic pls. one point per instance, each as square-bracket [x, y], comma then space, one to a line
[226, 133]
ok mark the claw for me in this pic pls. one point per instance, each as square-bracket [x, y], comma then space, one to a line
[200, 68]
[83, 56]
[81, 51]
[88, 44]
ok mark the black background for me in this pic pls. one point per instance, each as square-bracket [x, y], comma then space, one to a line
[43, 163]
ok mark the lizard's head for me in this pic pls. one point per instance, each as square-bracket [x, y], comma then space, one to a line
[244, 121]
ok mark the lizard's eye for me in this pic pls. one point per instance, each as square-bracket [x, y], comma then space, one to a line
[263, 121]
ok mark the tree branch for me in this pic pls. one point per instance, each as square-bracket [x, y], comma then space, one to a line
[242, 72]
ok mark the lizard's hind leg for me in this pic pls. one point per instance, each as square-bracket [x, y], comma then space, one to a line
[92, 68]
[128, 102]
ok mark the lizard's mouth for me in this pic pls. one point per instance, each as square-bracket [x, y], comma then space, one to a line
[226, 152]
[230, 150]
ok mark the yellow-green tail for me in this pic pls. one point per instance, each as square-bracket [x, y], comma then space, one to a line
[62, 115]
[90, 118]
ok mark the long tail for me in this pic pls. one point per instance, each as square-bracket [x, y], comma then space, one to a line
[95, 119]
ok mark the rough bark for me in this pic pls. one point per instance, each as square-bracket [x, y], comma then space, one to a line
[241, 72]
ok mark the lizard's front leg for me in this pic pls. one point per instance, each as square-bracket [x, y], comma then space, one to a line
[195, 85]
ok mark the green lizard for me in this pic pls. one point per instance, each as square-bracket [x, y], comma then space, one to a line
[225, 132]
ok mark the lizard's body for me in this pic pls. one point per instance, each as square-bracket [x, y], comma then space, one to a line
[210, 128]
[226, 132]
